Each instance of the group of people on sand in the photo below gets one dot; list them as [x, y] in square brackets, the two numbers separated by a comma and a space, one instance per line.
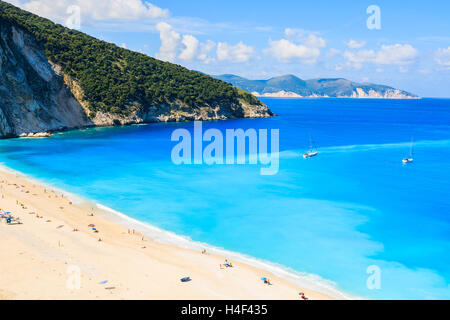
[266, 280]
[8, 218]
[95, 230]
[21, 204]
[227, 264]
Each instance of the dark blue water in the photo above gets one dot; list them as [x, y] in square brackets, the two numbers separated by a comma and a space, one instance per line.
[352, 207]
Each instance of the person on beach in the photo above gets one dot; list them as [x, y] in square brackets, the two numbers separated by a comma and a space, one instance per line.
[228, 264]
[302, 295]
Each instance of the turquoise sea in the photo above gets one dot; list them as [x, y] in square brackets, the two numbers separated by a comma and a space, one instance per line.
[353, 206]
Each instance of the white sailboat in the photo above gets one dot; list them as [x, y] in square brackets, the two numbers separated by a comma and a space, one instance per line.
[312, 150]
[410, 158]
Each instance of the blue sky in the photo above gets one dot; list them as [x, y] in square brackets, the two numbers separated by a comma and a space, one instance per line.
[261, 39]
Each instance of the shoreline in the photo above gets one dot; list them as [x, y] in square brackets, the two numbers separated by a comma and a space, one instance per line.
[309, 281]
[161, 240]
[353, 98]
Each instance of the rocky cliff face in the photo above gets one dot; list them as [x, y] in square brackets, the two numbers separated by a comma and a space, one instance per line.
[388, 94]
[36, 96]
[33, 98]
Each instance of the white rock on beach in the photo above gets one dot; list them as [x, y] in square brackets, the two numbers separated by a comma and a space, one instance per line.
[35, 135]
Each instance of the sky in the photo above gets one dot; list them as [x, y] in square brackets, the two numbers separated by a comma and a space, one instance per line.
[404, 44]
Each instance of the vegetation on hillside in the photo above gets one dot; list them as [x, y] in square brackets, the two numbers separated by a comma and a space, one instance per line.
[118, 80]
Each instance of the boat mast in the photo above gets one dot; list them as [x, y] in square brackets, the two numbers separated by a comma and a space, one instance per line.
[411, 151]
[311, 143]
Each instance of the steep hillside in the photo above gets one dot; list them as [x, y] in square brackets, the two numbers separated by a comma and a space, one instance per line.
[53, 77]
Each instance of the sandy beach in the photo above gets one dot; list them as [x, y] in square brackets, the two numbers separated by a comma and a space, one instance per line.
[54, 253]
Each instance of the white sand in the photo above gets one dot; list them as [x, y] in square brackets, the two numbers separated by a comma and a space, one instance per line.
[38, 260]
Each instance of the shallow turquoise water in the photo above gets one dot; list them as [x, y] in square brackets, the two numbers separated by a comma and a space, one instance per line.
[352, 207]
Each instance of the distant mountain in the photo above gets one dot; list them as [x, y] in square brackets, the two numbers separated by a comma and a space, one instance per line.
[292, 86]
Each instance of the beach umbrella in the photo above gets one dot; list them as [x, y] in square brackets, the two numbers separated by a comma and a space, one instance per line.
[264, 279]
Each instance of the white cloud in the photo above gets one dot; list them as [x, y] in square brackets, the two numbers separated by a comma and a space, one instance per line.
[353, 44]
[305, 37]
[191, 46]
[192, 49]
[333, 52]
[295, 34]
[298, 44]
[54, 10]
[122, 9]
[314, 41]
[234, 53]
[169, 42]
[96, 10]
[188, 48]
[357, 58]
[286, 51]
[396, 54]
[205, 48]
[442, 57]
[195, 50]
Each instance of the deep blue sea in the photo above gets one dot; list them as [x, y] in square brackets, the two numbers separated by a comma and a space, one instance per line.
[353, 206]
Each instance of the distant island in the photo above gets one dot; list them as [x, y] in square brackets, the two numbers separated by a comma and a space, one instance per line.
[55, 78]
[290, 86]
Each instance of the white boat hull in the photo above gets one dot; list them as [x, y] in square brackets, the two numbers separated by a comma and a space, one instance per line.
[310, 155]
[409, 160]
